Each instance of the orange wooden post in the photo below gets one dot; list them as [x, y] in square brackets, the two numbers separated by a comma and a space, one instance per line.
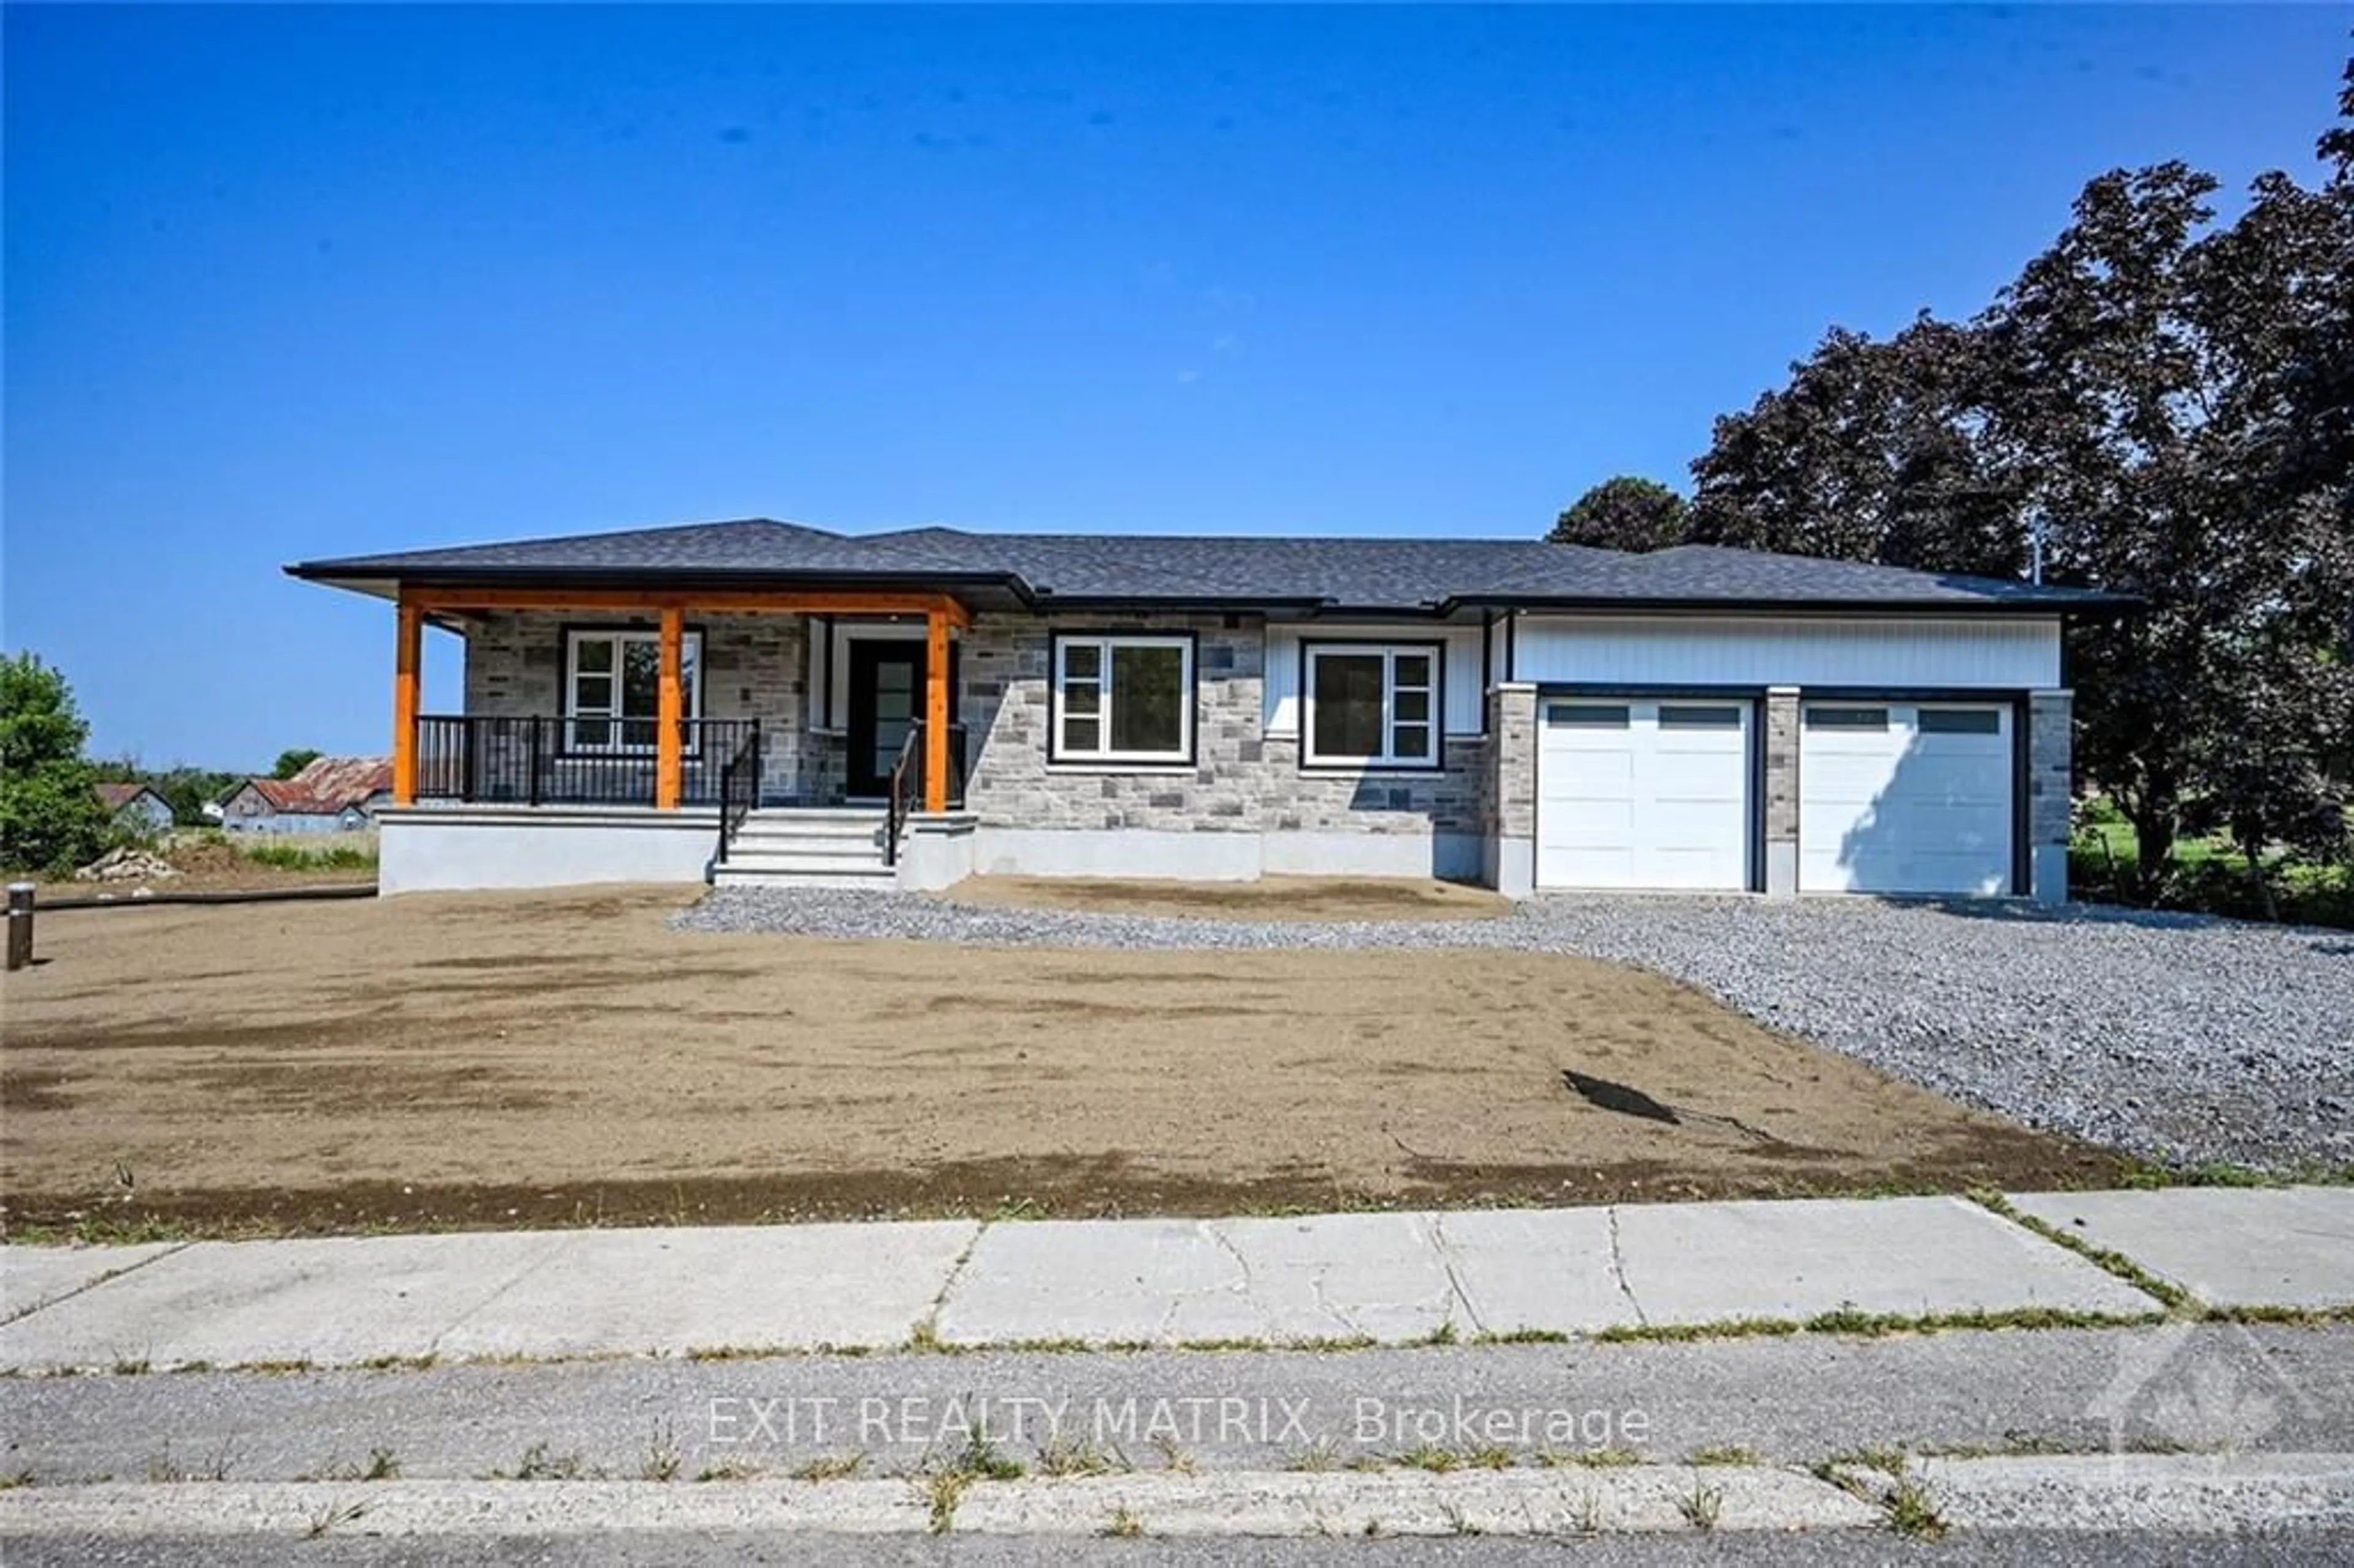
[936, 710]
[670, 710]
[408, 652]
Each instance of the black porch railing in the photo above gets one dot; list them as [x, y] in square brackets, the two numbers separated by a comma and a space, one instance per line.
[739, 789]
[907, 793]
[547, 761]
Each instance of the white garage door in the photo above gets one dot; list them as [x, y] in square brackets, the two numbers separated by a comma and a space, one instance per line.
[1643, 792]
[1904, 798]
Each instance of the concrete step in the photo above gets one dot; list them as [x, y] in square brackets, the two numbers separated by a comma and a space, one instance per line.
[755, 833]
[841, 848]
[807, 847]
[734, 874]
[816, 814]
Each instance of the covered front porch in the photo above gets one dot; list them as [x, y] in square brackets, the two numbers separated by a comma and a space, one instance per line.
[681, 701]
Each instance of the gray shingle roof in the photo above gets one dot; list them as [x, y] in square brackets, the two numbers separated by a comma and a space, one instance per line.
[1369, 573]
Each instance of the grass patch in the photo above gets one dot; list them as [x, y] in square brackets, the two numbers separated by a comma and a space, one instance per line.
[662, 1460]
[1062, 1457]
[1913, 1512]
[538, 1464]
[1520, 1337]
[730, 1470]
[832, 1466]
[1854, 1323]
[1123, 1525]
[2115, 1262]
[1318, 1457]
[2294, 1317]
[1440, 1460]
[1587, 1458]
[1725, 1454]
[2209, 877]
[294, 857]
[943, 1489]
[332, 1518]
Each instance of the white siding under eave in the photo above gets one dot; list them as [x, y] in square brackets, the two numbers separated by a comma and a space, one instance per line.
[1886, 652]
[1465, 705]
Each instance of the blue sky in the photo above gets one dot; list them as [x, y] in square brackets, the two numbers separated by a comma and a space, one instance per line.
[294, 283]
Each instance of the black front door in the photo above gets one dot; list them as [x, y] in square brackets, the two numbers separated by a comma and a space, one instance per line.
[887, 699]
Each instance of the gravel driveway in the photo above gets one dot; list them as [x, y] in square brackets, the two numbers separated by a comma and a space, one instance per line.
[2179, 1038]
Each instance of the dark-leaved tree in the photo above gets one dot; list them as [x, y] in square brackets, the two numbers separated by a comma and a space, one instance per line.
[2172, 403]
[1628, 513]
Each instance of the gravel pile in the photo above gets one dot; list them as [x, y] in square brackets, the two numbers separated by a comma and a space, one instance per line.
[2180, 1039]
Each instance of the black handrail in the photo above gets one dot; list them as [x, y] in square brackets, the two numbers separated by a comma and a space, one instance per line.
[740, 788]
[907, 782]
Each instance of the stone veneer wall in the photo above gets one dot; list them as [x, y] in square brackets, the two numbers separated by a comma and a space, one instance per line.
[2051, 791]
[753, 666]
[1241, 780]
[1782, 790]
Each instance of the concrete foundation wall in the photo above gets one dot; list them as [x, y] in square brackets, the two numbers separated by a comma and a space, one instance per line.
[936, 853]
[1159, 854]
[425, 849]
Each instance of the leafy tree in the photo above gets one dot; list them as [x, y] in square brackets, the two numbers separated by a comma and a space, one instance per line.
[189, 789]
[2155, 372]
[1627, 513]
[1871, 453]
[292, 761]
[49, 818]
[2177, 399]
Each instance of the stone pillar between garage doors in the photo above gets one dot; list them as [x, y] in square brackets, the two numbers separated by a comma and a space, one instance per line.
[1782, 791]
[2050, 793]
[1512, 848]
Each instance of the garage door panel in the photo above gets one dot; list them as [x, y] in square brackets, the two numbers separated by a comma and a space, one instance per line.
[1594, 824]
[1922, 805]
[1659, 800]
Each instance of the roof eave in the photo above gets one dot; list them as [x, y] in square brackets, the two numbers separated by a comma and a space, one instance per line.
[358, 577]
[2091, 607]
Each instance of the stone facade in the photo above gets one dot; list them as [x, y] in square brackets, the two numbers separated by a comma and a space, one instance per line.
[2051, 791]
[1241, 778]
[1782, 790]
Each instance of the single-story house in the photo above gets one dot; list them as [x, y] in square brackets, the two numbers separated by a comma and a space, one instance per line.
[758, 700]
[136, 809]
[331, 794]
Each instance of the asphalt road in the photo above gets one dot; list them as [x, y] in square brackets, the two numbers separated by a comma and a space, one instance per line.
[1790, 1401]
[2026, 1548]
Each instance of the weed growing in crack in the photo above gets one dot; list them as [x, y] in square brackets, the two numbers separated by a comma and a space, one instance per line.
[1701, 1506]
[1912, 1511]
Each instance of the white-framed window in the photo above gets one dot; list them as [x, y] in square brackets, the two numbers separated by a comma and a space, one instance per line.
[612, 688]
[1122, 697]
[1370, 705]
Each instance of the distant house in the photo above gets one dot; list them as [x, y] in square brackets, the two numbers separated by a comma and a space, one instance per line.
[332, 794]
[135, 808]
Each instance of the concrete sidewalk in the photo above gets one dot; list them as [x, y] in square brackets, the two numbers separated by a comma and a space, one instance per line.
[1392, 1278]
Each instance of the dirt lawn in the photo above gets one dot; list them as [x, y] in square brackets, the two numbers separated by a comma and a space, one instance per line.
[550, 1058]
